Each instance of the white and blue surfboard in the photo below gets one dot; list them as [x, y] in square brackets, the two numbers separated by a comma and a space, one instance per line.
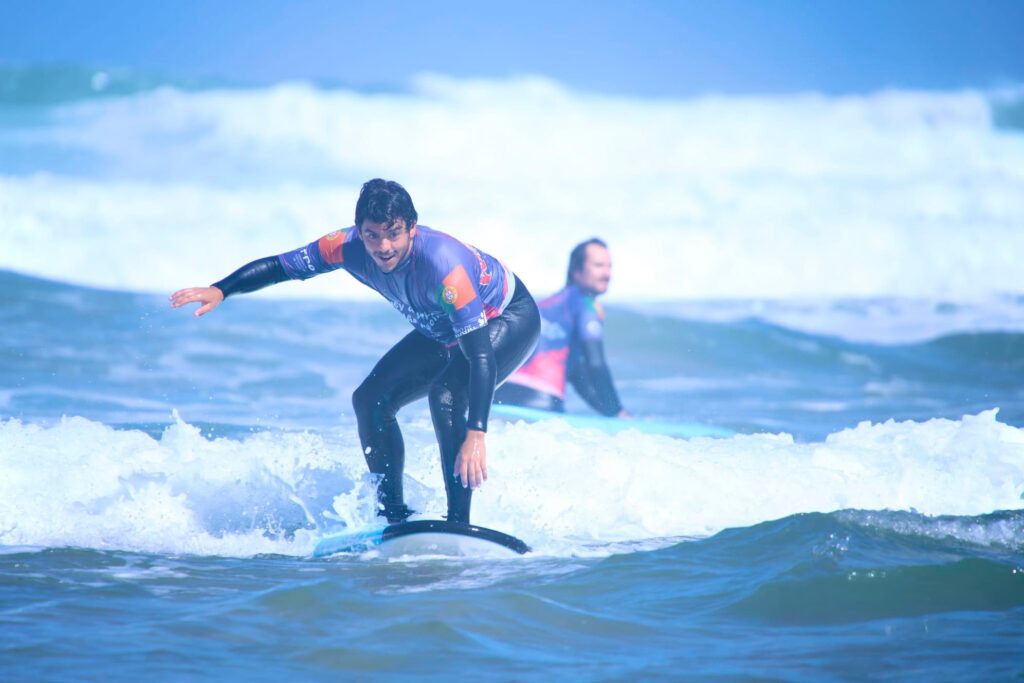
[612, 425]
[424, 537]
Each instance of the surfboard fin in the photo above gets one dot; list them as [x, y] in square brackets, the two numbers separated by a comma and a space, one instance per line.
[395, 514]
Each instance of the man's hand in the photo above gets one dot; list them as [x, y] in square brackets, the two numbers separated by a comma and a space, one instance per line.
[471, 463]
[209, 297]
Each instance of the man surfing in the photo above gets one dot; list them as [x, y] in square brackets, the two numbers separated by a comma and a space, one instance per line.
[474, 323]
[571, 342]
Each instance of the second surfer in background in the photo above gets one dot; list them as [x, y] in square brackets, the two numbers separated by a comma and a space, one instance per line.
[571, 345]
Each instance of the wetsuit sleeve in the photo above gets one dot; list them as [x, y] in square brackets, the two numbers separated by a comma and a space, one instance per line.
[252, 276]
[330, 252]
[483, 375]
[592, 379]
[588, 371]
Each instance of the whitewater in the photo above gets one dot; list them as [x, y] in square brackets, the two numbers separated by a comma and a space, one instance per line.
[271, 493]
[891, 194]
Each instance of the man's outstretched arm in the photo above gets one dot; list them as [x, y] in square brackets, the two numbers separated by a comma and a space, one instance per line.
[250, 277]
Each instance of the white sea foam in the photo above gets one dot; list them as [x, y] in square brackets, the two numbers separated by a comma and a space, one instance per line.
[893, 194]
[565, 491]
[996, 531]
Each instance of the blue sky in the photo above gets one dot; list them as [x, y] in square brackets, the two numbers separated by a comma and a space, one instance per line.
[636, 47]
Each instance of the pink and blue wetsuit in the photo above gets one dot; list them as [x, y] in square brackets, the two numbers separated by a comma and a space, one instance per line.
[571, 347]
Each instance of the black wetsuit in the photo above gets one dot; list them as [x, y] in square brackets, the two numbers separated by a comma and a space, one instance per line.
[475, 324]
[417, 367]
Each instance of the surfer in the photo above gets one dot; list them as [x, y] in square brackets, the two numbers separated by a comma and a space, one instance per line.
[474, 323]
[571, 343]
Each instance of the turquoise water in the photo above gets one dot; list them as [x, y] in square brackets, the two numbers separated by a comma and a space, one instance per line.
[834, 279]
[813, 596]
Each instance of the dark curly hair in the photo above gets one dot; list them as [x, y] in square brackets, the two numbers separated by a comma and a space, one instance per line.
[384, 201]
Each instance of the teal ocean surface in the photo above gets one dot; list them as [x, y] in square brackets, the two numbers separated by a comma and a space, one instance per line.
[849, 304]
[164, 480]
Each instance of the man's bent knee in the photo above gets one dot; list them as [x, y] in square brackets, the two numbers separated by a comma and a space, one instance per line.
[370, 403]
[441, 397]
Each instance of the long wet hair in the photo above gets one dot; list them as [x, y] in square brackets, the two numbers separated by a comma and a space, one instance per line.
[384, 201]
[578, 257]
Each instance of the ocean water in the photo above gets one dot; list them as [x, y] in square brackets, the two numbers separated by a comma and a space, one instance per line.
[835, 278]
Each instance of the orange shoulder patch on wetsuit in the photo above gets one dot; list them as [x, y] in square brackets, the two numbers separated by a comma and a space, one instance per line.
[332, 245]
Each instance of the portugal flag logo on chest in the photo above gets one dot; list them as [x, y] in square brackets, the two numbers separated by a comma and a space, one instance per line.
[456, 290]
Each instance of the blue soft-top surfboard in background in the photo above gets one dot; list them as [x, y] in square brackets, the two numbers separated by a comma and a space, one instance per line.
[424, 537]
[612, 425]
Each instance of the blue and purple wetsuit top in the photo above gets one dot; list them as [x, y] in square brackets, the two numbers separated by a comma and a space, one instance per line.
[571, 347]
[445, 288]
